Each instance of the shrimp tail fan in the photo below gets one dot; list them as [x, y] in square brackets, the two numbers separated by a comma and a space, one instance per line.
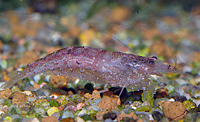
[15, 77]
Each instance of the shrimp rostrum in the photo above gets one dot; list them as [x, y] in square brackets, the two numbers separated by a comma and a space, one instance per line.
[96, 65]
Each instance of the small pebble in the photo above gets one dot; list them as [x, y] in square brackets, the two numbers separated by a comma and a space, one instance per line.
[8, 119]
[67, 114]
[143, 108]
[52, 110]
[1, 112]
[15, 116]
[108, 104]
[109, 120]
[15, 88]
[2, 101]
[67, 120]
[43, 92]
[28, 87]
[192, 117]
[79, 119]
[28, 93]
[56, 115]
[32, 98]
[5, 108]
[40, 110]
[157, 115]
[95, 102]
[82, 112]
[174, 110]
[3, 64]
[49, 119]
[30, 120]
[19, 98]
[180, 98]
[110, 115]
[189, 105]
[131, 115]
[45, 104]
[54, 102]
[8, 102]
[6, 93]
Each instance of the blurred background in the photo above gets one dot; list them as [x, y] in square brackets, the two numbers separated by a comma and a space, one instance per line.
[30, 29]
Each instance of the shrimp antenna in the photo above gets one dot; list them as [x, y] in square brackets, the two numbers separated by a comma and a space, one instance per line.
[175, 61]
[119, 41]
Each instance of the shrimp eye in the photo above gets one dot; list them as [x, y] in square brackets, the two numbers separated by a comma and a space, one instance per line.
[154, 57]
[151, 62]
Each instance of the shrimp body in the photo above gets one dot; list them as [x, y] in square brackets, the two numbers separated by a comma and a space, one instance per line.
[96, 65]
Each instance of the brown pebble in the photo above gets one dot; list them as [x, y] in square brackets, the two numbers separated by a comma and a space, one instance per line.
[161, 93]
[174, 110]
[67, 120]
[108, 93]
[50, 119]
[58, 81]
[108, 104]
[19, 98]
[36, 86]
[87, 95]
[95, 95]
[70, 93]
[140, 120]
[82, 93]
[6, 93]
[131, 115]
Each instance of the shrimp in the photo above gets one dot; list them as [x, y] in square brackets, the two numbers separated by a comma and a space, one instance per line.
[96, 65]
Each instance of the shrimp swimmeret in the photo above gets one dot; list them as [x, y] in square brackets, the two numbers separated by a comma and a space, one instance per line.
[96, 65]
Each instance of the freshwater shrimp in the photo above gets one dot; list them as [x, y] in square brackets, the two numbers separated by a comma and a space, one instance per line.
[96, 65]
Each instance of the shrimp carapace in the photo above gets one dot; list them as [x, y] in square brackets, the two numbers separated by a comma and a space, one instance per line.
[96, 65]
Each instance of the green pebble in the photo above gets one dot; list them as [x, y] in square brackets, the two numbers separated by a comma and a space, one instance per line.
[62, 99]
[45, 104]
[8, 119]
[170, 88]
[8, 102]
[17, 120]
[88, 117]
[54, 103]
[15, 110]
[143, 108]
[189, 104]
[148, 97]
[33, 115]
